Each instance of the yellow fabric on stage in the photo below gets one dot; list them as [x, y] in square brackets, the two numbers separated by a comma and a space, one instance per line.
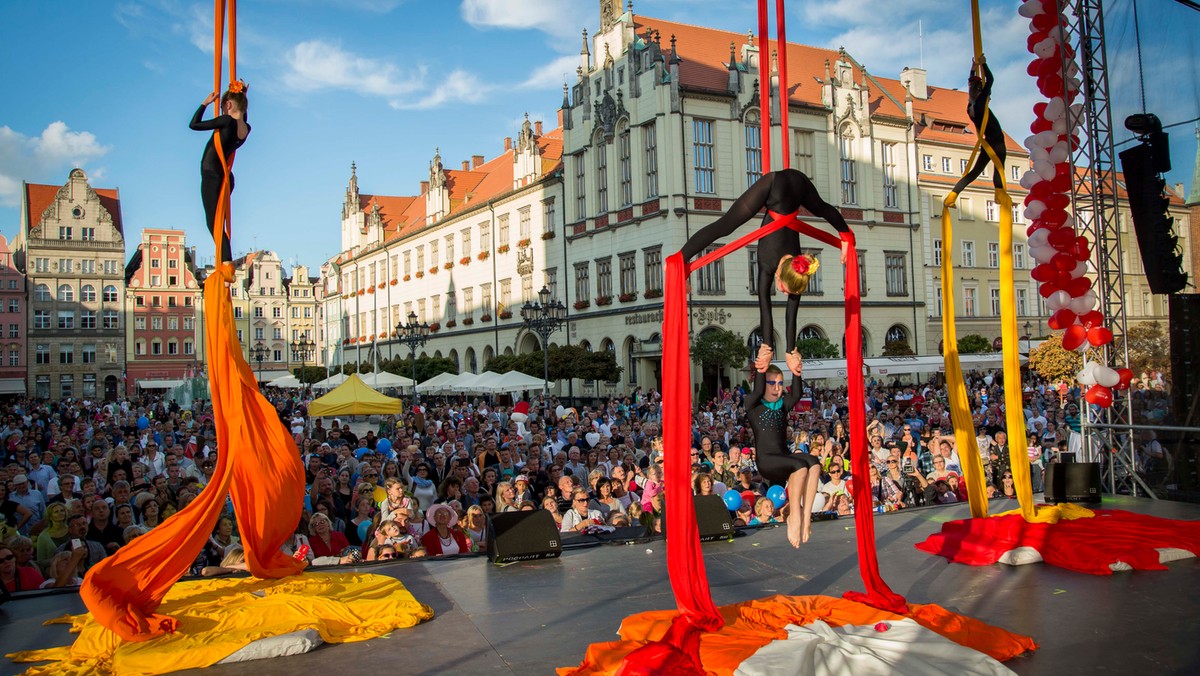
[1066, 511]
[218, 617]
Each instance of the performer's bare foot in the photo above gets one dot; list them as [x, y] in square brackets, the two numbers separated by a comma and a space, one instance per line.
[795, 532]
[807, 530]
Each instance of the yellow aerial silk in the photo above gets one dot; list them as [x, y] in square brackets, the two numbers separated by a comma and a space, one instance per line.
[960, 409]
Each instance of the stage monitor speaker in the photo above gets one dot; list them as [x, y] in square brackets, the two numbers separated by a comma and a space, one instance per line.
[1185, 358]
[1073, 482]
[523, 536]
[712, 518]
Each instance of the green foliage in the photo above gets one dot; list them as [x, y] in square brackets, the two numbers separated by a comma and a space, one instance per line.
[817, 348]
[702, 396]
[897, 348]
[974, 344]
[720, 348]
[310, 374]
[1149, 348]
[1050, 361]
[567, 361]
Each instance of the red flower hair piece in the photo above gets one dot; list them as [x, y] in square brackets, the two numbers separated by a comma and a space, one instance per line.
[800, 265]
[237, 86]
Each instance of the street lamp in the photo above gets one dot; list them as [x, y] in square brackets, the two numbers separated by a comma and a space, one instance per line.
[413, 335]
[259, 354]
[1028, 338]
[544, 318]
[303, 349]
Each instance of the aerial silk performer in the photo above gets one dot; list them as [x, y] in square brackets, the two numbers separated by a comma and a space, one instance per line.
[257, 461]
[258, 465]
[676, 642]
[1033, 532]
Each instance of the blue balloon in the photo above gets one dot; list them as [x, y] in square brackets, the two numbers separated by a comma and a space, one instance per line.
[383, 445]
[733, 500]
[778, 495]
[143, 422]
[362, 530]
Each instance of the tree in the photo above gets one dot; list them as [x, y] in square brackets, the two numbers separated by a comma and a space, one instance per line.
[565, 362]
[310, 374]
[817, 348]
[1149, 348]
[897, 348]
[720, 348]
[974, 344]
[1050, 361]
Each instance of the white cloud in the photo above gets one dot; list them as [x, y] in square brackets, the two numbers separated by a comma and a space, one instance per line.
[39, 158]
[553, 74]
[315, 65]
[556, 17]
[459, 85]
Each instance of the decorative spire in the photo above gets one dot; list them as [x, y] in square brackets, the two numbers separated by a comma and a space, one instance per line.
[674, 51]
[566, 97]
[732, 56]
[585, 49]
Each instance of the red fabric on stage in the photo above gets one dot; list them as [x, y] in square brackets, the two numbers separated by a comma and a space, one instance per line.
[1082, 545]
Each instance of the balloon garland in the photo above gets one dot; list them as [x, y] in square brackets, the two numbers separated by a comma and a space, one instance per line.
[1061, 253]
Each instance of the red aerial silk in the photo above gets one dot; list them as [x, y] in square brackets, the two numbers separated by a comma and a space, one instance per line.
[257, 463]
[1082, 545]
[685, 562]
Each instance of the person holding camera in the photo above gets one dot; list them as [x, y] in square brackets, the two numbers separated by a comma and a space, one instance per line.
[84, 553]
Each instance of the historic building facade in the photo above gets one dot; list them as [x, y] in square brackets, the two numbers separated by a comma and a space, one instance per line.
[163, 300]
[13, 301]
[71, 248]
[463, 255]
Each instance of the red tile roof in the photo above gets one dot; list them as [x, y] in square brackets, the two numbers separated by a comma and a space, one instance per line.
[38, 197]
[405, 216]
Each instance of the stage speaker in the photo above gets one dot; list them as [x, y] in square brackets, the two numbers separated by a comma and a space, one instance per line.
[712, 518]
[1185, 358]
[523, 536]
[1161, 258]
[1073, 482]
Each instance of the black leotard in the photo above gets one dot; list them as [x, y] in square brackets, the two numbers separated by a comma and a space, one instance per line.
[211, 173]
[992, 133]
[782, 192]
[775, 462]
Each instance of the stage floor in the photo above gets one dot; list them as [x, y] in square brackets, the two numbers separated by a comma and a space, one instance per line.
[529, 618]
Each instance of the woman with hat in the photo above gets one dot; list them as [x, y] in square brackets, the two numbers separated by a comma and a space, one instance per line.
[444, 537]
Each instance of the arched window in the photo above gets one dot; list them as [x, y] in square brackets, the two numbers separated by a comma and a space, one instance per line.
[810, 331]
[472, 364]
[41, 292]
[65, 293]
[87, 293]
[897, 333]
[631, 361]
[607, 345]
[110, 294]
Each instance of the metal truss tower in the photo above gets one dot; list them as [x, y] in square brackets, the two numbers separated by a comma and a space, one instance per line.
[1094, 204]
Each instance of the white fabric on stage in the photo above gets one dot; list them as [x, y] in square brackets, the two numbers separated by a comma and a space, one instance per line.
[905, 648]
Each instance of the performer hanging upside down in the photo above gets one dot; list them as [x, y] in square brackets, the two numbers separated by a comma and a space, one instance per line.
[782, 193]
[766, 410]
[233, 128]
[979, 94]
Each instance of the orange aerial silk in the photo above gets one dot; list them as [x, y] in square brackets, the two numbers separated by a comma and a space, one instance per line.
[257, 463]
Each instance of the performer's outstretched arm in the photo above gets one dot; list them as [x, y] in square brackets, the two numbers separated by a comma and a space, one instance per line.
[760, 386]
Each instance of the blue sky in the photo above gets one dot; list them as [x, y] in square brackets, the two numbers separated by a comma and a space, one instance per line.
[110, 86]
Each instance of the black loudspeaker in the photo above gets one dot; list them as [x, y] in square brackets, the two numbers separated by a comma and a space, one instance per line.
[1161, 258]
[523, 536]
[712, 518]
[1185, 358]
[1073, 482]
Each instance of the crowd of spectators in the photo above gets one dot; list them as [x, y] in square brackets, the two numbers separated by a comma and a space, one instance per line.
[80, 479]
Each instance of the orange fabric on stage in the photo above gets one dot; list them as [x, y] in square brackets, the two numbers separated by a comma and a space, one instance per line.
[752, 624]
[257, 462]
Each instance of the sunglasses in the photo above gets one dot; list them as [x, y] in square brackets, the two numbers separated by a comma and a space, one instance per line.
[581, 499]
[6, 559]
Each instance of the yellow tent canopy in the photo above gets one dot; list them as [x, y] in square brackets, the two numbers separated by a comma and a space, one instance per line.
[353, 397]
